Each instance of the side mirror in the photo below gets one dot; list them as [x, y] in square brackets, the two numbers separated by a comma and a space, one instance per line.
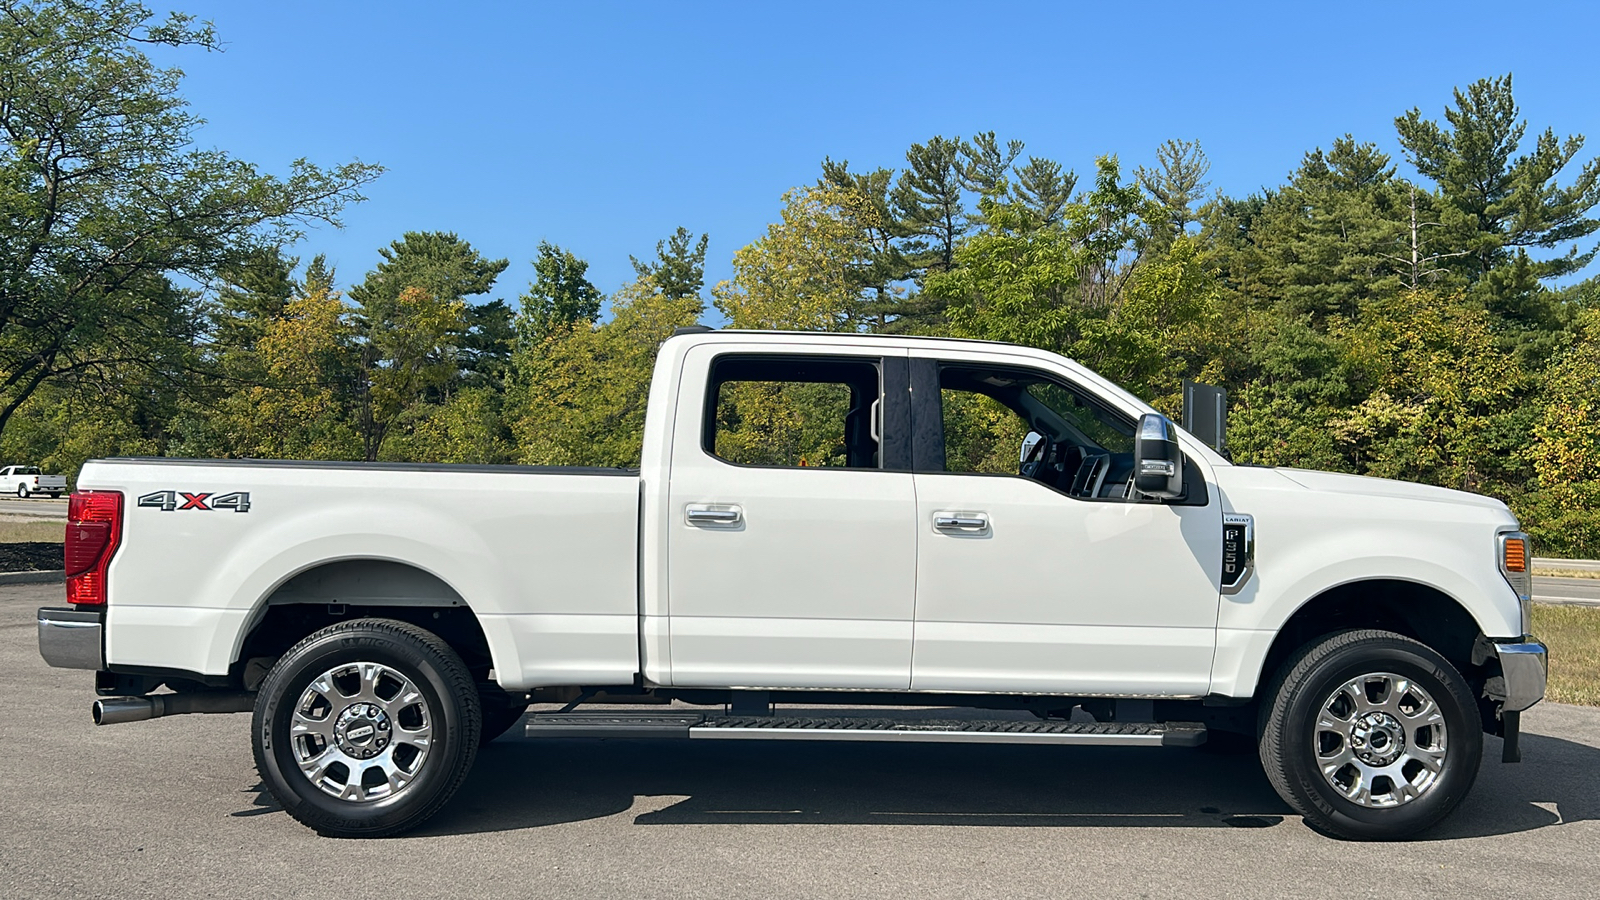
[1157, 461]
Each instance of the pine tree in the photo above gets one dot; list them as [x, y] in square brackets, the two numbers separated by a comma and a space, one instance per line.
[927, 199]
[1333, 236]
[438, 263]
[1498, 204]
[986, 168]
[1042, 191]
[864, 201]
[1177, 183]
[677, 271]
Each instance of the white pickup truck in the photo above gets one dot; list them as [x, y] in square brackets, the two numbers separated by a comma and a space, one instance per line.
[25, 481]
[812, 537]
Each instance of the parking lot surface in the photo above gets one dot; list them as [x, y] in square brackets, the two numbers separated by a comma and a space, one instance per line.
[173, 808]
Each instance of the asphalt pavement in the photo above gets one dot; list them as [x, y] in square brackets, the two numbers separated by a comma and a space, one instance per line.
[1572, 591]
[33, 508]
[173, 808]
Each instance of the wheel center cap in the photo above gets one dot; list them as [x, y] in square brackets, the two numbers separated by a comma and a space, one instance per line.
[362, 730]
[1378, 738]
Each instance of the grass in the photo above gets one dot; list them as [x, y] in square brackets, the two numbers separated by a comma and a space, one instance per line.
[14, 532]
[1573, 635]
[1566, 573]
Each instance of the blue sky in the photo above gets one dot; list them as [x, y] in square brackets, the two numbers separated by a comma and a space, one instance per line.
[602, 126]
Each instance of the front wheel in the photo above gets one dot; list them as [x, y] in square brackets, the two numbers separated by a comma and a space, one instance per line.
[1370, 735]
[366, 728]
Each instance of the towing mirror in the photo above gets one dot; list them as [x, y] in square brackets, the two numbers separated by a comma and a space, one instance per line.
[1157, 461]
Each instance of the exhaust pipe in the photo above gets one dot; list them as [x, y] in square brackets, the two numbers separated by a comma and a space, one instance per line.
[116, 710]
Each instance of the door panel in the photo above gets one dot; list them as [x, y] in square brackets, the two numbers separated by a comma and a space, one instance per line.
[812, 586]
[1061, 595]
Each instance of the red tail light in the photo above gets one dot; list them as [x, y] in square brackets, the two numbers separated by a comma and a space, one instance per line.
[94, 529]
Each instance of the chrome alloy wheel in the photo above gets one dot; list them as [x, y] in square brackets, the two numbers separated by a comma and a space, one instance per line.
[361, 731]
[1380, 740]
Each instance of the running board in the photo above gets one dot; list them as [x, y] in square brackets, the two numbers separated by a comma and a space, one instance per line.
[704, 726]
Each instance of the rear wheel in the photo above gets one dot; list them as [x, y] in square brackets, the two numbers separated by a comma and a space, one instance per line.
[22, 491]
[366, 728]
[1370, 735]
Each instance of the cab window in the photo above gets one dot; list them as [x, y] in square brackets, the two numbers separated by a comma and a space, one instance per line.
[794, 412]
[1004, 421]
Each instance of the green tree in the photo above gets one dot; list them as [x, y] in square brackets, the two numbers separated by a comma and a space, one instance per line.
[928, 202]
[106, 196]
[445, 269]
[1498, 204]
[301, 406]
[560, 296]
[1335, 236]
[802, 273]
[438, 262]
[1563, 511]
[579, 394]
[408, 357]
[986, 168]
[863, 200]
[1177, 182]
[678, 271]
[1439, 383]
[1042, 191]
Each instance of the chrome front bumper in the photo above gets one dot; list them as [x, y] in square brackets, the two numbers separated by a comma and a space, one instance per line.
[70, 638]
[1525, 666]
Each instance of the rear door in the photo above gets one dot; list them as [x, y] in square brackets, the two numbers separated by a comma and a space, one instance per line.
[1055, 583]
[791, 548]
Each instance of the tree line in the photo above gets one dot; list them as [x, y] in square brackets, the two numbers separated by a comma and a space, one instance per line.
[1362, 321]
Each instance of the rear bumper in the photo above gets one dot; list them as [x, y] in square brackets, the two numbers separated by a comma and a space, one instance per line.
[1525, 665]
[71, 638]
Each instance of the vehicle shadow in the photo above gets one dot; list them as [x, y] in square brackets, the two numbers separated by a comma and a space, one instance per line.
[521, 784]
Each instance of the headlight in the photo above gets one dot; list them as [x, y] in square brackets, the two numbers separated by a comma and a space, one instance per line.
[1516, 564]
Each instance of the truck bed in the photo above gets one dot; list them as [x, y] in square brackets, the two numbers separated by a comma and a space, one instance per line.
[549, 562]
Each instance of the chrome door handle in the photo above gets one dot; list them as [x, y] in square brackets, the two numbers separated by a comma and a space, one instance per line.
[714, 515]
[950, 521]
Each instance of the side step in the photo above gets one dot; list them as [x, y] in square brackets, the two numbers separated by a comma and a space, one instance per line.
[715, 726]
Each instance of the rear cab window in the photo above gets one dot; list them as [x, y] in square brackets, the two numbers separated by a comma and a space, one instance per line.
[795, 412]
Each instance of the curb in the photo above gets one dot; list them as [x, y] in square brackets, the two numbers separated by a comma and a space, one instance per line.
[55, 576]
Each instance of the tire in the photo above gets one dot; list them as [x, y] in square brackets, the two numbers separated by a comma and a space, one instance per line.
[1396, 714]
[366, 728]
[501, 710]
[22, 492]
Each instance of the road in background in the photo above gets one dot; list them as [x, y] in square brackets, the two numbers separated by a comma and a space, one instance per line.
[33, 508]
[1567, 591]
[173, 808]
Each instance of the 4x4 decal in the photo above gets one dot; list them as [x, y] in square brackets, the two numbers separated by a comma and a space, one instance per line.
[167, 501]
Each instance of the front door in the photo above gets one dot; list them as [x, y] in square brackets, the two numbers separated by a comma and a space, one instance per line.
[1053, 581]
[792, 545]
